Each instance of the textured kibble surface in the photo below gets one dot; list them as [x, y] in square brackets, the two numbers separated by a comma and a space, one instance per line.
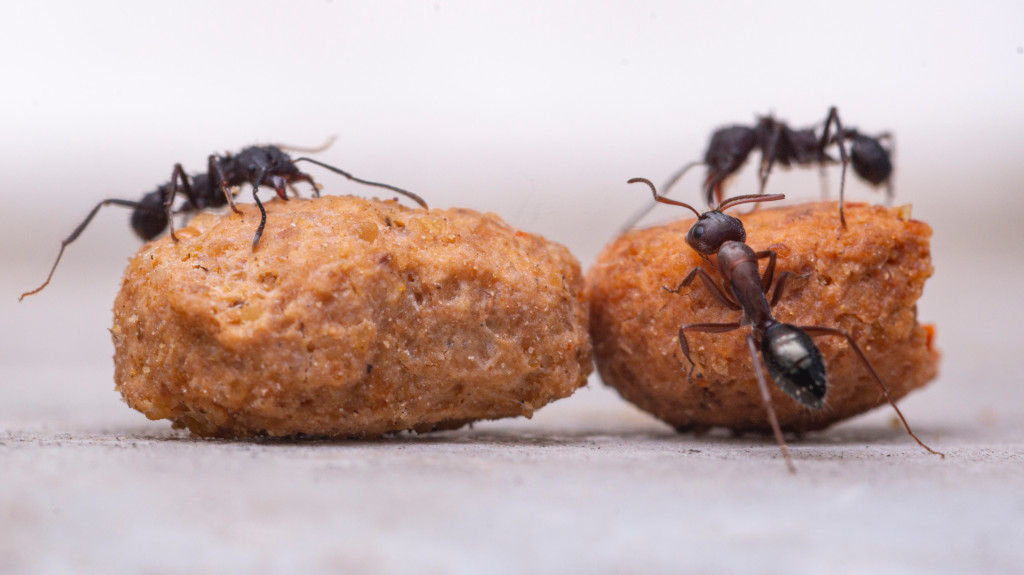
[865, 280]
[352, 318]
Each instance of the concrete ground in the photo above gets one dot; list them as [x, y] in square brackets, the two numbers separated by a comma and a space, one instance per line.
[88, 485]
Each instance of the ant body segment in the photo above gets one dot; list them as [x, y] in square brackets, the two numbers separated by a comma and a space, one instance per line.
[259, 165]
[730, 147]
[793, 361]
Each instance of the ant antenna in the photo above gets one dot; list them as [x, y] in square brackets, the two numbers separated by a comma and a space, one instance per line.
[726, 204]
[327, 144]
[644, 211]
[662, 199]
[338, 171]
[737, 200]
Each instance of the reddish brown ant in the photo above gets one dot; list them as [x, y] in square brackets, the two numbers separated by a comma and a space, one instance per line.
[730, 147]
[793, 360]
[258, 165]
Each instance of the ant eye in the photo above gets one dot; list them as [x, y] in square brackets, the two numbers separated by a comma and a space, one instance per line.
[697, 231]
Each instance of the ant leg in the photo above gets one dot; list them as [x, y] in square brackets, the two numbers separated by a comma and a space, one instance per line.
[309, 178]
[833, 117]
[769, 272]
[338, 171]
[823, 177]
[713, 187]
[768, 157]
[217, 174]
[711, 285]
[643, 212]
[766, 398]
[169, 200]
[819, 330]
[767, 163]
[263, 212]
[179, 175]
[891, 150]
[78, 231]
[780, 286]
[176, 174]
[705, 328]
[766, 279]
[822, 157]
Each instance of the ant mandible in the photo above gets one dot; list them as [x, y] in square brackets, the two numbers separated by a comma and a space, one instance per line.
[259, 165]
[730, 147]
[793, 360]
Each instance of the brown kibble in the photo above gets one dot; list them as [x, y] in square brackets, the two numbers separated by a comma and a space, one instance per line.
[352, 318]
[865, 279]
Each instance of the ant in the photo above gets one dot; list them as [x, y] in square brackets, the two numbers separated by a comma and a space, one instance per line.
[263, 165]
[729, 148]
[793, 360]
[260, 165]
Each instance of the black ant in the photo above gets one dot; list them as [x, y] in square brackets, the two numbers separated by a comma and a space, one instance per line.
[259, 165]
[730, 146]
[263, 165]
[793, 360]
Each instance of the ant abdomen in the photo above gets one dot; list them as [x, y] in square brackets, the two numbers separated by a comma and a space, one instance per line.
[149, 218]
[870, 160]
[795, 364]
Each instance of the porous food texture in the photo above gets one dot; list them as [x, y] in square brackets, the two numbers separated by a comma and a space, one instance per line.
[352, 318]
[865, 279]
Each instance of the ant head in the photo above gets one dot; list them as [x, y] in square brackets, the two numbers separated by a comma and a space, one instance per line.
[149, 219]
[279, 159]
[713, 228]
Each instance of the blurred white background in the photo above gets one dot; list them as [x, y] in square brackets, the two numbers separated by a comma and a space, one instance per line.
[540, 112]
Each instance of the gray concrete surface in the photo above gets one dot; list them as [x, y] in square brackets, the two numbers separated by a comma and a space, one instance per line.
[590, 484]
